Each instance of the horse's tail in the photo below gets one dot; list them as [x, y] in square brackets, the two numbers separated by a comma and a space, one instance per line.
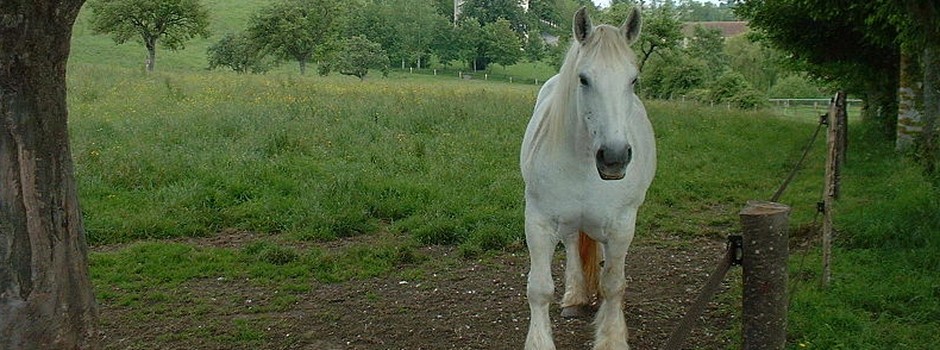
[590, 263]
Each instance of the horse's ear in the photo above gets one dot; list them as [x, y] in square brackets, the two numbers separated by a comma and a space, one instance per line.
[582, 24]
[631, 26]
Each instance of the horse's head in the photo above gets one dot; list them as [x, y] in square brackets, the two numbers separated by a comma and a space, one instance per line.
[606, 75]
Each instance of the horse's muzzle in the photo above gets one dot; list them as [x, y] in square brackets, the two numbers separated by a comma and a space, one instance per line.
[612, 162]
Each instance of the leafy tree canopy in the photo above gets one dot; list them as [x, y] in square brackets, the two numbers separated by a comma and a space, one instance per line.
[847, 46]
[489, 11]
[406, 29]
[238, 52]
[357, 56]
[500, 44]
[299, 30]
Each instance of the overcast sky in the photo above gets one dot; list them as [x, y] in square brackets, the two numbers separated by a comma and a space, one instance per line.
[607, 2]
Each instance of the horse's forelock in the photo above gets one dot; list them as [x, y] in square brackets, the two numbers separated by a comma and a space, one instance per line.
[609, 44]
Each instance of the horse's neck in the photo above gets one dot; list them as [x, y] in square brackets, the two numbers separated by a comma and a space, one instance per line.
[557, 135]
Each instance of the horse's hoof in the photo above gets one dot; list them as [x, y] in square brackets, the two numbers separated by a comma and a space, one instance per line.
[576, 311]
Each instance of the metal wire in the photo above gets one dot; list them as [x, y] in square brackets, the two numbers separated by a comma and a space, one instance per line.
[799, 164]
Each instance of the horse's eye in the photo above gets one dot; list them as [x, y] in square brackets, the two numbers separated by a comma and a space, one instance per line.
[584, 80]
[633, 82]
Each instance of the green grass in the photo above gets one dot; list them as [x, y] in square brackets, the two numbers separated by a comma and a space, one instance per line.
[885, 292]
[174, 155]
[189, 155]
[433, 160]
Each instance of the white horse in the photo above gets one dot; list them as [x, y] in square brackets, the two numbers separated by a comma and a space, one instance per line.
[587, 158]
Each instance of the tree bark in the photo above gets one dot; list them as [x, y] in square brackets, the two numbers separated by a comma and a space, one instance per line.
[909, 102]
[46, 298]
[930, 151]
[151, 55]
[880, 105]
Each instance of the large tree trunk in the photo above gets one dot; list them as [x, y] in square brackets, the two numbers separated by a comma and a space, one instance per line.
[46, 299]
[880, 106]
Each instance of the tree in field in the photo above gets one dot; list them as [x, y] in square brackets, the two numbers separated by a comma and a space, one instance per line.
[406, 29]
[46, 298]
[673, 75]
[299, 30]
[534, 47]
[168, 22]
[357, 56]
[761, 65]
[488, 11]
[459, 43]
[238, 52]
[662, 31]
[499, 45]
[708, 45]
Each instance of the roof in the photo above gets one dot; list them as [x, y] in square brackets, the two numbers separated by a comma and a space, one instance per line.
[728, 29]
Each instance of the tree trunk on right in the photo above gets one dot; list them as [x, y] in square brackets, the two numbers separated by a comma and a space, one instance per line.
[910, 102]
[930, 150]
[880, 106]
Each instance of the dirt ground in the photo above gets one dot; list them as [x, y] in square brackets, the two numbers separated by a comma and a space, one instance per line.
[458, 304]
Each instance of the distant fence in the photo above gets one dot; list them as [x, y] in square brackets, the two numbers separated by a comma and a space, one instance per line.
[466, 74]
[816, 106]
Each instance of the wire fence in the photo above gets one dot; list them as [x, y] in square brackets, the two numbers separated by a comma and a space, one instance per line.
[762, 249]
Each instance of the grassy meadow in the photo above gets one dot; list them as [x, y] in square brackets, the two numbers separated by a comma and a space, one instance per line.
[295, 161]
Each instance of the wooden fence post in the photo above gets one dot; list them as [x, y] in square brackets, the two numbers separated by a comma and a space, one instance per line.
[835, 147]
[764, 261]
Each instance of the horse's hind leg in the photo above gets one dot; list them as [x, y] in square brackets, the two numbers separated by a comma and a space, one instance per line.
[541, 243]
[576, 302]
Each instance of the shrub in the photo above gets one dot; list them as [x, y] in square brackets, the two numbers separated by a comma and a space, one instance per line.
[731, 88]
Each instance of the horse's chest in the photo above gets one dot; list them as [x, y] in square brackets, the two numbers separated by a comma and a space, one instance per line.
[567, 196]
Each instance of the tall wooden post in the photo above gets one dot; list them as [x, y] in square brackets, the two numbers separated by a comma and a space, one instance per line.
[764, 261]
[831, 184]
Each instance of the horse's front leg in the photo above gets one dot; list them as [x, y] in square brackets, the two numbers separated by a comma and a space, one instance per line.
[541, 241]
[610, 323]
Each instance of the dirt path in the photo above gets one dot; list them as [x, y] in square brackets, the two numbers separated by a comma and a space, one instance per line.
[457, 304]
